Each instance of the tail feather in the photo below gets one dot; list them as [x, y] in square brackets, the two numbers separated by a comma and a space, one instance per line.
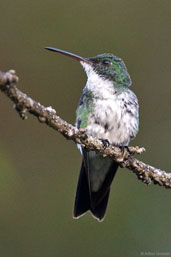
[100, 210]
[96, 202]
[82, 199]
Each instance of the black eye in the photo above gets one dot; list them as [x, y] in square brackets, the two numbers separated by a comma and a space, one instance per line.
[106, 62]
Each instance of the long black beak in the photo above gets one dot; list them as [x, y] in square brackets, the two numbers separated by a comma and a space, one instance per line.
[74, 56]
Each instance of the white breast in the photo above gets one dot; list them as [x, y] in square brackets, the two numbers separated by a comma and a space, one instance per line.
[108, 121]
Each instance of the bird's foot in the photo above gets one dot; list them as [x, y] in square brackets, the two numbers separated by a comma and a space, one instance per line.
[123, 147]
[105, 142]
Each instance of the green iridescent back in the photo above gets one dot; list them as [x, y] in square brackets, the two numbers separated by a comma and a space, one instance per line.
[85, 107]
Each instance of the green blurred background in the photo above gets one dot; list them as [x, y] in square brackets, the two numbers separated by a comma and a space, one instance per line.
[39, 168]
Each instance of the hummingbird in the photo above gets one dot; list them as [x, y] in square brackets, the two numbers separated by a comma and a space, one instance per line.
[109, 111]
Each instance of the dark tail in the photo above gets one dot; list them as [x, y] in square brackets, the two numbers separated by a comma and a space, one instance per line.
[96, 202]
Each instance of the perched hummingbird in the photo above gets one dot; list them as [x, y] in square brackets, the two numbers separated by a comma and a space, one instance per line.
[108, 110]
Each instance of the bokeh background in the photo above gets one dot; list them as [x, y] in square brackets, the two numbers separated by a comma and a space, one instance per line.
[39, 168]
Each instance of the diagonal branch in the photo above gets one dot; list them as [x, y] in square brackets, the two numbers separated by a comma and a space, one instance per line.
[24, 105]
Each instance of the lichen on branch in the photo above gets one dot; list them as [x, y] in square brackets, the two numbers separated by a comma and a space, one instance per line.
[47, 115]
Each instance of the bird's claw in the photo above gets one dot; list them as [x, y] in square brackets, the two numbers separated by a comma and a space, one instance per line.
[105, 142]
[123, 147]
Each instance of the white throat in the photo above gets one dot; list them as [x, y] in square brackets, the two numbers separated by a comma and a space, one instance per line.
[100, 87]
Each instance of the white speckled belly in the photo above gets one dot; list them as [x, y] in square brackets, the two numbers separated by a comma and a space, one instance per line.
[110, 120]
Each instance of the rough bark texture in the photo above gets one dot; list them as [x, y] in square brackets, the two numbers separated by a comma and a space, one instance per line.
[24, 105]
